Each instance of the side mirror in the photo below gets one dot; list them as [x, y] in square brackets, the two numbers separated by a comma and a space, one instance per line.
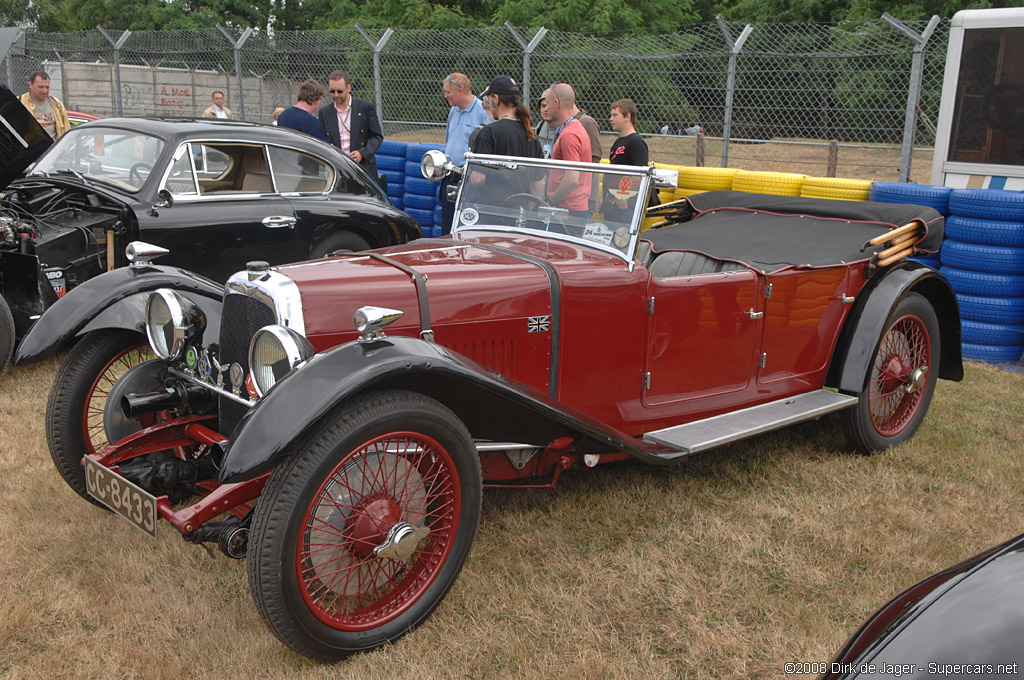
[166, 199]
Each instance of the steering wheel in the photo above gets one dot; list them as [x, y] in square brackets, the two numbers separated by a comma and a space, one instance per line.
[135, 172]
[525, 200]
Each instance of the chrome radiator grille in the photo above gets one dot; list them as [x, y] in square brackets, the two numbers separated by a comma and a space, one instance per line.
[242, 317]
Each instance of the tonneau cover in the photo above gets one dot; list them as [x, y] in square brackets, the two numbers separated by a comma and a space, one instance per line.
[773, 232]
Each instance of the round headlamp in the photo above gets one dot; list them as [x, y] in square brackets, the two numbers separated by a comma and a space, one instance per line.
[172, 320]
[435, 165]
[273, 353]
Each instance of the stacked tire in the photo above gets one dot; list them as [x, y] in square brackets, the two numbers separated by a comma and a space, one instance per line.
[778, 183]
[928, 195]
[836, 188]
[421, 195]
[391, 163]
[983, 259]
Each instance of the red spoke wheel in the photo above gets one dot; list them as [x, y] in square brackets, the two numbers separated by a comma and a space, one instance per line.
[74, 410]
[900, 380]
[360, 534]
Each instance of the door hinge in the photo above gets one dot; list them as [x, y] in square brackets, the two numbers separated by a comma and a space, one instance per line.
[650, 305]
[647, 380]
[768, 292]
[764, 359]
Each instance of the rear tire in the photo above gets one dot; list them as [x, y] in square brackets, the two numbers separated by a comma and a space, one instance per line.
[74, 410]
[339, 240]
[6, 334]
[389, 462]
[896, 398]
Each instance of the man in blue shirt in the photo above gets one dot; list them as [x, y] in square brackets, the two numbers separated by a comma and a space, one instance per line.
[465, 115]
[302, 116]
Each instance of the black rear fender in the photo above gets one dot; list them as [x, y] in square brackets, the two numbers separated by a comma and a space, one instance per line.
[115, 299]
[870, 316]
[490, 405]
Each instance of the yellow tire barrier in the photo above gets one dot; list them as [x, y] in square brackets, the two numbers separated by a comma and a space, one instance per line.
[706, 179]
[836, 188]
[778, 183]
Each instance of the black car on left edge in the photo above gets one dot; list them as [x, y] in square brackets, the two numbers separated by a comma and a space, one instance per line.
[216, 194]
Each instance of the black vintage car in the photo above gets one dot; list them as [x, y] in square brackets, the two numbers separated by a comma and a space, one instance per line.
[216, 194]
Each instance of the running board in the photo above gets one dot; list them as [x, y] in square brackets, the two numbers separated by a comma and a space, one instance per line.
[702, 435]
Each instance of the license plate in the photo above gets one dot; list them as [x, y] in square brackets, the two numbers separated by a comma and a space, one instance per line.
[126, 499]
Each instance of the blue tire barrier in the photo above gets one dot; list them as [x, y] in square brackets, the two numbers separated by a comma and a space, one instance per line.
[392, 148]
[988, 204]
[991, 309]
[421, 186]
[436, 231]
[980, 258]
[398, 202]
[984, 283]
[414, 152]
[985, 232]
[918, 194]
[932, 261]
[421, 202]
[981, 333]
[389, 162]
[425, 218]
[394, 177]
[438, 213]
[991, 354]
[395, 191]
[412, 169]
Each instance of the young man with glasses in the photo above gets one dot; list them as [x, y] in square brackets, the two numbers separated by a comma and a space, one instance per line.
[351, 124]
[465, 115]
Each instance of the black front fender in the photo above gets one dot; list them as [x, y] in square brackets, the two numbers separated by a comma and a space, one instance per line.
[490, 405]
[115, 299]
[858, 341]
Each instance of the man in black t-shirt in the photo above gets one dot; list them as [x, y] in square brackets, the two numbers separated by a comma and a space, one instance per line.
[629, 149]
[509, 135]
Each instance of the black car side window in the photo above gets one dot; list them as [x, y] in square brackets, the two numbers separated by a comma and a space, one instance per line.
[299, 172]
[180, 180]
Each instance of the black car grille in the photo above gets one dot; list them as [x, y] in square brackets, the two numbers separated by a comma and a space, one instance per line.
[241, 318]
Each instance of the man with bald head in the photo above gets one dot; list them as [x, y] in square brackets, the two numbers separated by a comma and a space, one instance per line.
[569, 189]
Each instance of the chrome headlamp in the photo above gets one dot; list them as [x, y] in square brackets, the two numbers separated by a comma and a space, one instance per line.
[273, 353]
[172, 320]
[435, 165]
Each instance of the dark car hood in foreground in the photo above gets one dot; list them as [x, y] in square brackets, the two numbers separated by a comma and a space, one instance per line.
[971, 615]
[22, 139]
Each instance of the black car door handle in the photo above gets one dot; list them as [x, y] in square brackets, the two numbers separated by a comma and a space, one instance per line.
[275, 221]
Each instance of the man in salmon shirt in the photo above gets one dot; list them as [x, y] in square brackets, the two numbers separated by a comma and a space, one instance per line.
[569, 189]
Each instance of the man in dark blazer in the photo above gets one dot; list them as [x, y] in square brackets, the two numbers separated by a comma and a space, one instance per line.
[351, 123]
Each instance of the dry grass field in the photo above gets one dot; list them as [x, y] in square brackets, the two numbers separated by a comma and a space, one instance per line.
[727, 566]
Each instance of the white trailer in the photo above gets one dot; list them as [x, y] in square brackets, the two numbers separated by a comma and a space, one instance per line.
[980, 134]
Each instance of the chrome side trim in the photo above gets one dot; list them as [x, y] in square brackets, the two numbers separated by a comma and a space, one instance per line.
[276, 291]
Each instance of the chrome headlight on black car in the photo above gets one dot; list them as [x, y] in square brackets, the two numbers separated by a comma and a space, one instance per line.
[274, 351]
[172, 320]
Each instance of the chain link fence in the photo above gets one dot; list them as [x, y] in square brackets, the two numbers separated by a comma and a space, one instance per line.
[854, 100]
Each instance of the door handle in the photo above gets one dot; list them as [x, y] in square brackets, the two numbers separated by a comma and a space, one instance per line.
[276, 221]
[756, 315]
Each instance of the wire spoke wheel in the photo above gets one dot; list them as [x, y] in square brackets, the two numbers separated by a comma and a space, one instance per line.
[96, 397]
[900, 380]
[894, 393]
[360, 533]
[396, 480]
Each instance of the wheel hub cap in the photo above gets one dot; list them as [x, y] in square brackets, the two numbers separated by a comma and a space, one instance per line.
[894, 374]
[917, 380]
[401, 541]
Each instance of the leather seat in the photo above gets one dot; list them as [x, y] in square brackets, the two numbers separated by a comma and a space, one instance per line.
[688, 263]
[256, 178]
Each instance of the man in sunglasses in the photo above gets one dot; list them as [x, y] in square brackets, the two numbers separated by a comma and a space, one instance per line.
[466, 114]
[351, 124]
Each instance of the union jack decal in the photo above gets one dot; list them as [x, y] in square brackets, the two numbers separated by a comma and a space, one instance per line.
[538, 324]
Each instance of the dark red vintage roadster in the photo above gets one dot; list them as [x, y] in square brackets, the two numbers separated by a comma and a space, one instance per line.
[346, 463]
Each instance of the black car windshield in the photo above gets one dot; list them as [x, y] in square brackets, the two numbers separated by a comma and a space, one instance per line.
[600, 204]
[119, 157]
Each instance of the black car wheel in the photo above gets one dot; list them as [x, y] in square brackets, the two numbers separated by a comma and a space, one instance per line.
[6, 334]
[344, 241]
[900, 381]
[74, 411]
[360, 534]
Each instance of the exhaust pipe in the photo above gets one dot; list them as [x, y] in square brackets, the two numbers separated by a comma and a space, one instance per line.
[176, 396]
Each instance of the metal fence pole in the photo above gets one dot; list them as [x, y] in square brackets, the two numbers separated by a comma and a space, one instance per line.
[117, 63]
[237, 47]
[377, 47]
[528, 49]
[914, 89]
[730, 87]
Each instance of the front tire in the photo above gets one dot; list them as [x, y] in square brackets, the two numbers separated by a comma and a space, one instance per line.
[343, 241]
[74, 410]
[900, 380]
[6, 334]
[361, 533]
